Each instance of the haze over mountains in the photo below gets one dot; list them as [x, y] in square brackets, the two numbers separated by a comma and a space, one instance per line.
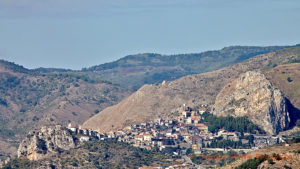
[149, 68]
[32, 98]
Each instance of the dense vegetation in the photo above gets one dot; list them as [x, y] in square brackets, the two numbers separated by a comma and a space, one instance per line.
[149, 68]
[253, 163]
[214, 158]
[99, 154]
[229, 123]
[228, 144]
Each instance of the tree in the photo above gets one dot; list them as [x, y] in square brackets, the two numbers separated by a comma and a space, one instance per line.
[289, 79]
[41, 144]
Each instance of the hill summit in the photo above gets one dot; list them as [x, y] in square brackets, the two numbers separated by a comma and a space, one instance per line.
[150, 68]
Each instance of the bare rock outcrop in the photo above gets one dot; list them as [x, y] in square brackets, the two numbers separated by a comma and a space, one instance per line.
[45, 142]
[252, 95]
[152, 101]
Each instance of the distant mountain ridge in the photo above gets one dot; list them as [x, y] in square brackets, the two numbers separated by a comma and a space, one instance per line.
[9, 66]
[160, 100]
[52, 70]
[31, 98]
[149, 68]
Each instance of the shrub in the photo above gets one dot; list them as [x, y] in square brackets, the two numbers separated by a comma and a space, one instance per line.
[3, 102]
[35, 118]
[270, 161]
[41, 144]
[276, 156]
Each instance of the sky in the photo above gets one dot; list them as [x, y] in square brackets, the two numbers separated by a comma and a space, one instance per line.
[82, 33]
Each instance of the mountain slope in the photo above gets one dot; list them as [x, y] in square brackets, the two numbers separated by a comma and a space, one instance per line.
[290, 158]
[253, 96]
[29, 99]
[99, 154]
[287, 78]
[152, 101]
[136, 70]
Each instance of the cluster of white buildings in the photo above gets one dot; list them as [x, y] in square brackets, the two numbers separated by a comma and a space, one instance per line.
[170, 135]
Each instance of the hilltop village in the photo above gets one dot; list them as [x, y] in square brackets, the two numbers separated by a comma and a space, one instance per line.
[183, 133]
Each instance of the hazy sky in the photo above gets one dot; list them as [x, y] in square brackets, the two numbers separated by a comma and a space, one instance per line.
[81, 33]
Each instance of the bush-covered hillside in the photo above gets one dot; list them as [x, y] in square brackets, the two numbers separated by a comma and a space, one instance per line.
[29, 99]
[149, 68]
[229, 123]
[99, 154]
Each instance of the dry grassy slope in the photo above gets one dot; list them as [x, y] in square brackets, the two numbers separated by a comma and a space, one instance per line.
[291, 159]
[279, 77]
[29, 100]
[152, 101]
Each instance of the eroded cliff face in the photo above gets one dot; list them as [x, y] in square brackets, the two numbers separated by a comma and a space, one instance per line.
[153, 101]
[252, 95]
[47, 141]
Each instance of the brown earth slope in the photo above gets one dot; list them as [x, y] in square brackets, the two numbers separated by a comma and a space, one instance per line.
[289, 157]
[153, 101]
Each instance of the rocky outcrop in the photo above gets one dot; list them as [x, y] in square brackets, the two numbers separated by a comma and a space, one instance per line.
[152, 101]
[47, 141]
[252, 95]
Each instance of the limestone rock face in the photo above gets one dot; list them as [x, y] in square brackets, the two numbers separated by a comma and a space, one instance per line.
[252, 95]
[47, 141]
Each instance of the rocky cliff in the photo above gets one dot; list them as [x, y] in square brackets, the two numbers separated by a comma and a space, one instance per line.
[45, 142]
[252, 95]
[152, 101]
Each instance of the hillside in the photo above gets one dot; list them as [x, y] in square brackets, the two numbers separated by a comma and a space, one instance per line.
[287, 78]
[29, 99]
[58, 147]
[152, 101]
[52, 70]
[289, 157]
[98, 154]
[137, 70]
